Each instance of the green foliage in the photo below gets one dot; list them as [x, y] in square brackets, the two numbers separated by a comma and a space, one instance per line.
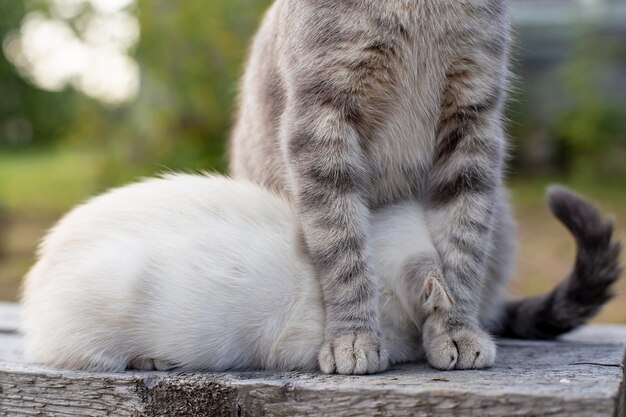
[28, 115]
[46, 181]
[191, 55]
[592, 131]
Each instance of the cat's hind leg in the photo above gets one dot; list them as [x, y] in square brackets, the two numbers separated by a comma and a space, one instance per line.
[445, 349]
[141, 363]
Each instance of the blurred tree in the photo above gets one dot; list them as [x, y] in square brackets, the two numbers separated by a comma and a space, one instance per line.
[568, 110]
[591, 132]
[28, 115]
[190, 55]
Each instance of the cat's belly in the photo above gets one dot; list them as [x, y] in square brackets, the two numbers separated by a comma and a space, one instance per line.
[398, 181]
[400, 157]
[401, 150]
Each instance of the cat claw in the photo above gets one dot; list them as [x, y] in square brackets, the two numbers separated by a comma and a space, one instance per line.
[354, 354]
[461, 348]
[477, 350]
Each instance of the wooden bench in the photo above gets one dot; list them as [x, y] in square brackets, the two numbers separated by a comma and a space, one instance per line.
[581, 375]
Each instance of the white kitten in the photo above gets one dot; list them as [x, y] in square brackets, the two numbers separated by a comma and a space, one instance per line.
[204, 273]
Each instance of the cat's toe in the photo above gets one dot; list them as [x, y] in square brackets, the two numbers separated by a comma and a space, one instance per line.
[160, 365]
[441, 352]
[354, 354]
[146, 364]
[458, 347]
[477, 350]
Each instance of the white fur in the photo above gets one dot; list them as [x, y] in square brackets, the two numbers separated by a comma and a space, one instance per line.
[199, 272]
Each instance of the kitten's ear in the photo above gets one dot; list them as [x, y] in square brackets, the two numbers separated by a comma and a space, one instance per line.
[435, 296]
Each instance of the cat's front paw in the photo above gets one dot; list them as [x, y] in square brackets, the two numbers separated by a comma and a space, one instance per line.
[354, 354]
[459, 348]
[477, 349]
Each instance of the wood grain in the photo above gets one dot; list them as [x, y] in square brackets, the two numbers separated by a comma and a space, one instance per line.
[581, 375]
[9, 317]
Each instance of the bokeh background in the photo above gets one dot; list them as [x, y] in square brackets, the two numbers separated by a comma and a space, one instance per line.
[94, 93]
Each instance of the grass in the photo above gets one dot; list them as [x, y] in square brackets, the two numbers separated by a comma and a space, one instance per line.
[45, 183]
[37, 187]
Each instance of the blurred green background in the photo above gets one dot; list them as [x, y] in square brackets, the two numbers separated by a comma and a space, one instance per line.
[94, 93]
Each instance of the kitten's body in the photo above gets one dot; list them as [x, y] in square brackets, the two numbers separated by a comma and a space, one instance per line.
[203, 272]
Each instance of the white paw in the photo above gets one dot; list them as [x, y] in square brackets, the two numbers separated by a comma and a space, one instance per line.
[354, 354]
[147, 364]
[441, 352]
[461, 348]
[477, 350]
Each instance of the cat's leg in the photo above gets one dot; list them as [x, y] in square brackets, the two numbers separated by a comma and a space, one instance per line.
[456, 348]
[339, 89]
[423, 275]
[501, 262]
[141, 363]
[432, 306]
[330, 180]
[464, 187]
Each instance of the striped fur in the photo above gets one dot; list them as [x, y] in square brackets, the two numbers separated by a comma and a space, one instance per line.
[581, 295]
[351, 105]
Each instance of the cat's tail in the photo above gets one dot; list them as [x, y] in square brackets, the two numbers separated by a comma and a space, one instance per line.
[588, 287]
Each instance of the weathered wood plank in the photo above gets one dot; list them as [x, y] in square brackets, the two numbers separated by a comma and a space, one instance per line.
[9, 317]
[579, 376]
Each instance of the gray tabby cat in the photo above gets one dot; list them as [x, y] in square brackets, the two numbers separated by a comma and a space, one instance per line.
[351, 105]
